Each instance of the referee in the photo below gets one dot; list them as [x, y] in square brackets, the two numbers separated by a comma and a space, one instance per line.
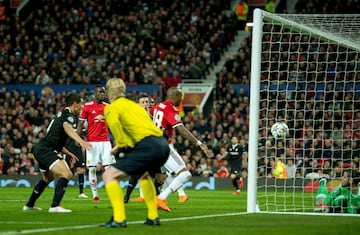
[146, 151]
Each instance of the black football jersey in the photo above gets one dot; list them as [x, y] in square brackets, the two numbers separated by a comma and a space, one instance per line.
[55, 133]
[235, 151]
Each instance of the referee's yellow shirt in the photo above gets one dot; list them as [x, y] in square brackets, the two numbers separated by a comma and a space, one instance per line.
[129, 123]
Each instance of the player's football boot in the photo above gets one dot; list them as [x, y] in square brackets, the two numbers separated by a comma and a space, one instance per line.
[113, 224]
[31, 208]
[183, 198]
[152, 222]
[237, 192]
[59, 209]
[83, 195]
[162, 204]
[138, 199]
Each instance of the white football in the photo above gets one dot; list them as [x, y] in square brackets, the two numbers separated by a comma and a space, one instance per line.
[279, 130]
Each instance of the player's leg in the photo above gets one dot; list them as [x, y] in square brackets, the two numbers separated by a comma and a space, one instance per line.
[160, 180]
[79, 166]
[38, 190]
[61, 169]
[111, 176]
[235, 177]
[45, 160]
[181, 193]
[176, 165]
[130, 188]
[183, 197]
[321, 195]
[149, 192]
[92, 159]
[81, 179]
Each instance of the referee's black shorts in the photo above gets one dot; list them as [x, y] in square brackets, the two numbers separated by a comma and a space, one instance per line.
[148, 155]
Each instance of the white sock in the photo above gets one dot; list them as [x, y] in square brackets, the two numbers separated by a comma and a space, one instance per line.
[93, 181]
[175, 184]
[181, 192]
[168, 181]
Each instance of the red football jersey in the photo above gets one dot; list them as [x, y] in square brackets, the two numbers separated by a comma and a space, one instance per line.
[94, 114]
[166, 117]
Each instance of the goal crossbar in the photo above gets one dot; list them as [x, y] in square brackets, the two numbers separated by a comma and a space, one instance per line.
[322, 26]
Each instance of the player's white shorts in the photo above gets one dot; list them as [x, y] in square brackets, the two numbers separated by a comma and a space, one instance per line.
[175, 163]
[99, 153]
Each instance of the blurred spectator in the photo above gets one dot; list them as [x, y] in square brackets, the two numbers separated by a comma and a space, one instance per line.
[290, 169]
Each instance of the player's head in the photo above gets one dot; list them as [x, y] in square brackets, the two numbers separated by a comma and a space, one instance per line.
[115, 88]
[74, 102]
[346, 178]
[175, 95]
[143, 100]
[99, 93]
[234, 140]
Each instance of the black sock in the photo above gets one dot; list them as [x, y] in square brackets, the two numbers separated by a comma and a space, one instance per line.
[130, 187]
[81, 182]
[38, 189]
[157, 186]
[235, 182]
[59, 191]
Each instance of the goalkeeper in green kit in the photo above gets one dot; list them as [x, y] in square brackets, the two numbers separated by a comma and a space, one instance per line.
[343, 199]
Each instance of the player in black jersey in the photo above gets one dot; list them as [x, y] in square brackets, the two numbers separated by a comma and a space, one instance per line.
[48, 154]
[235, 158]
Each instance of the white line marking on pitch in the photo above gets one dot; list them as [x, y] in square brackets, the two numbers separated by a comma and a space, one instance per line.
[44, 230]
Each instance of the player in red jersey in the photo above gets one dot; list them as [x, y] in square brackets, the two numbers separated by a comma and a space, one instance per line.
[97, 135]
[166, 117]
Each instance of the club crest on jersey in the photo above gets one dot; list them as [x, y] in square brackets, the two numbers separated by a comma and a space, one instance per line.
[71, 119]
[99, 117]
[177, 117]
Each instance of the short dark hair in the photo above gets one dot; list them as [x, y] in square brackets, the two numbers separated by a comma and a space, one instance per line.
[99, 86]
[72, 98]
[141, 95]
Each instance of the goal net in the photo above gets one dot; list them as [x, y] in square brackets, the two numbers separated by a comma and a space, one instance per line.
[304, 72]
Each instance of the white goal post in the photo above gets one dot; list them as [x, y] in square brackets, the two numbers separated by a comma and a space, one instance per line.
[305, 71]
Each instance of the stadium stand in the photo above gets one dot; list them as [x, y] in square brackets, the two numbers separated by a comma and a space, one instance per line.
[143, 42]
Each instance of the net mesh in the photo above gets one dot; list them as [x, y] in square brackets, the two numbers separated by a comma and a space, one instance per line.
[309, 79]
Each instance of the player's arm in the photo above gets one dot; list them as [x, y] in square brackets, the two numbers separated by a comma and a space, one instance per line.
[184, 132]
[80, 126]
[74, 135]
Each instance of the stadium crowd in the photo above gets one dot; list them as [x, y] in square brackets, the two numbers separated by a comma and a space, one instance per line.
[148, 42]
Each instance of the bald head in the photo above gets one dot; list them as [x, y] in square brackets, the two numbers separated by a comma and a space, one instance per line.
[115, 88]
[174, 95]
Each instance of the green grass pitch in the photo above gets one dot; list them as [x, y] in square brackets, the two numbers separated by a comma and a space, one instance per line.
[206, 212]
